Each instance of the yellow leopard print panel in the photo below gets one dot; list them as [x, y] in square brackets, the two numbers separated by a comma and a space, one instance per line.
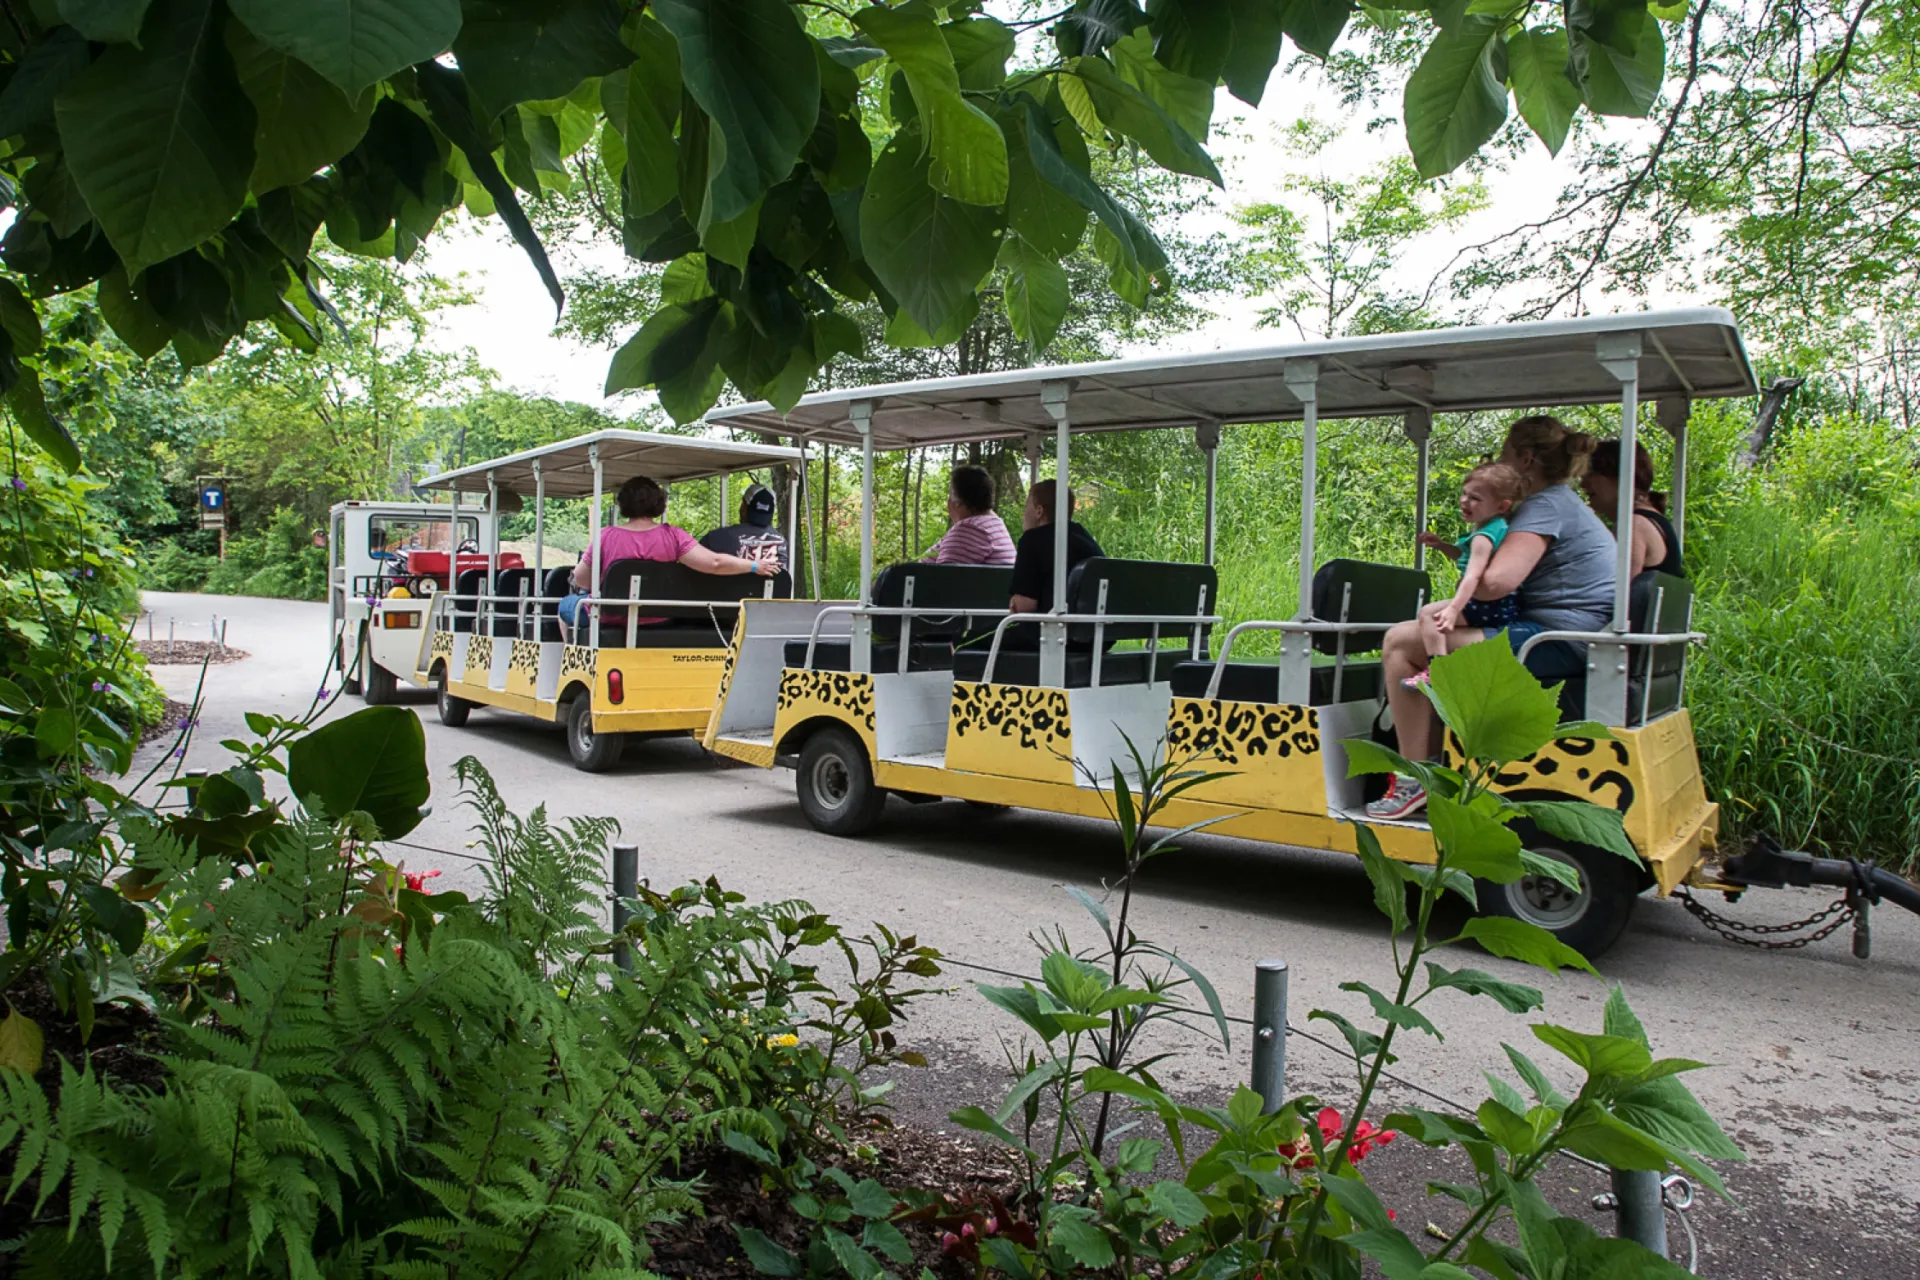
[837, 695]
[1271, 753]
[1011, 731]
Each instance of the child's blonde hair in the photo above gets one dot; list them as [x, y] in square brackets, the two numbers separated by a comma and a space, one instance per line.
[1505, 483]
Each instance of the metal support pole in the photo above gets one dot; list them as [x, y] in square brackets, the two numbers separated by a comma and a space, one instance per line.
[1418, 425]
[493, 549]
[724, 518]
[1303, 380]
[539, 526]
[1619, 355]
[1639, 1211]
[195, 777]
[593, 528]
[1270, 1034]
[860, 652]
[626, 886]
[1207, 436]
[1053, 636]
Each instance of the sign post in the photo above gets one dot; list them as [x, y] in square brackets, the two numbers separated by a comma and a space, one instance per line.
[213, 507]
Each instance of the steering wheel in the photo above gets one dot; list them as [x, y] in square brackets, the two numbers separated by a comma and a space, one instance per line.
[468, 546]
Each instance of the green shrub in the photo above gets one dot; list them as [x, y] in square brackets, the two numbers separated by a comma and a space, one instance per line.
[279, 561]
[170, 566]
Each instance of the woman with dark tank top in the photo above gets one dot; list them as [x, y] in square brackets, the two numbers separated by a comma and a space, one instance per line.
[1655, 543]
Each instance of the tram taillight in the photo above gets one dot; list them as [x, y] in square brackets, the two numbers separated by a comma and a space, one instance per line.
[616, 687]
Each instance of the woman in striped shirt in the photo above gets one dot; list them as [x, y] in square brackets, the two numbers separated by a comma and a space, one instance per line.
[978, 535]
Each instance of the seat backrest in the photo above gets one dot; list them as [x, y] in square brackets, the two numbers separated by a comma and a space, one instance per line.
[940, 586]
[1379, 593]
[1664, 665]
[509, 582]
[1162, 588]
[470, 583]
[559, 581]
[668, 580]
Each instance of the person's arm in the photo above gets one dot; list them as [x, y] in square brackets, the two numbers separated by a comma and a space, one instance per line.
[583, 572]
[1649, 548]
[1434, 542]
[1479, 556]
[938, 549]
[1023, 590]
[1518, 554]
[698, 557]
[1022, 604]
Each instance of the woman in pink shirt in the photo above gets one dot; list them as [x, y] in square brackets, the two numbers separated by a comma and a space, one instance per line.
[643, 535]
[978, 536]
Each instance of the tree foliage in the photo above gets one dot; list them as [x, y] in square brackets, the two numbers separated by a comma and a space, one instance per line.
[185, 153]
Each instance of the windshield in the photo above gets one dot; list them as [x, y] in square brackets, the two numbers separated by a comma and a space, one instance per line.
[416, 533]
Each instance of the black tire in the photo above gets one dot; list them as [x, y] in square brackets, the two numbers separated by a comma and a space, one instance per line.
[377, 684]
[835, 784]
[349, 682]
[592, 752]
[1590, 921]
[453, 708]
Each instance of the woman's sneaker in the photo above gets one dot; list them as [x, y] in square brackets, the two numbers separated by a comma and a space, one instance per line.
[1404, 798]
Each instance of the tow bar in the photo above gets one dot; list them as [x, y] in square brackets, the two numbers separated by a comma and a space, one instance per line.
[1766, 865]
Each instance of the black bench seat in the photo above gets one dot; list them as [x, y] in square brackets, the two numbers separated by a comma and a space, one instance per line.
[1022, 666]
[837, 655]
[1258, 680]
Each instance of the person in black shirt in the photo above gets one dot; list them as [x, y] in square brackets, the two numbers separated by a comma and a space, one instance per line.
[1033, 557]
[753, 538]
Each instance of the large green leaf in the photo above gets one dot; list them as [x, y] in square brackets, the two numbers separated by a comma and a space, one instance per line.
[1187, 100]
[19, 319]
[969, 155]
[667, 345]
[1514, 997]
[511, 51]
[1195, 38]
[160, 139]
[1582, 822]
[1496, 706]
[1042, 214]
[373, 761]
[353, 43]
[1055, 167]
[1537, 67]
[1456, 99]
[46, 67]
[981, 47]
[1132, 114]
[652, 99]
[29, 405]
[1518, 940]
[1389, 889]
[1036, 293]
[1254, 49]
[930, 251]
[751, 68]
[1315, 24]
[108, 21]
[1474, 842]
[305, 123]
[1618, 83]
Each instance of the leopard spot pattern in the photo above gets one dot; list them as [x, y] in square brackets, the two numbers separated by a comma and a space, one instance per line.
[479, 655]
[1036, 717]
[576, 660]
[1598, 770]
[442, 644]
[849, 692]
[1236, 732]
[526, 657]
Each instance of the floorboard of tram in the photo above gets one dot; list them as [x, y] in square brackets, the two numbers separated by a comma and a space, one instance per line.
[1816, 1074]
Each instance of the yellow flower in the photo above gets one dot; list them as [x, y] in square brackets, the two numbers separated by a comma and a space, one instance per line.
[783, 1042]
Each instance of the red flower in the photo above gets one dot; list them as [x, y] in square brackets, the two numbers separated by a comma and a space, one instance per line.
[1366, 1136]
[417, 880]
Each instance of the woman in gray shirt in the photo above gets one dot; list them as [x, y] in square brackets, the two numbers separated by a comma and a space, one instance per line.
[1560, 558]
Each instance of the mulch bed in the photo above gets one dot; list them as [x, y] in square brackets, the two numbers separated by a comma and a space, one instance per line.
[124, 1045]
[188, 653]
[905, 1157]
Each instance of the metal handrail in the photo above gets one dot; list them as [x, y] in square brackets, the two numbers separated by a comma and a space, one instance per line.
[1192, 620]
[1640, 639]
[890, 611]
[1311, 627]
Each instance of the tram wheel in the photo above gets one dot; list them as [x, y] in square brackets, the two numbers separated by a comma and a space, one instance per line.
[592, 752]
[1590, 919]
[377, 684]
[835, 784]
[453, 708]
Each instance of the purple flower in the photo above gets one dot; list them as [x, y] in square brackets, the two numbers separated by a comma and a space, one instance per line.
[20, 484]
[179, 753]
[188, 724]
[323, 693]
[101, 686]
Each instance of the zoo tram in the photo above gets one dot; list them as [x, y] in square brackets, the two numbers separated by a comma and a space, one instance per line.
[914, 688]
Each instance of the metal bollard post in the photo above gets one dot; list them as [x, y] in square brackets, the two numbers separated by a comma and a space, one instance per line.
[194, 778]
[169, 639]
[223, 637]
[1270, 1034]
[1639, 1212]
[626, 883]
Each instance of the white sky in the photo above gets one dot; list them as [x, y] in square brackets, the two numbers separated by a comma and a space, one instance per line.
[510, 327]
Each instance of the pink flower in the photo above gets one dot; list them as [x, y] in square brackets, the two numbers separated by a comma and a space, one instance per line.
[417, 880]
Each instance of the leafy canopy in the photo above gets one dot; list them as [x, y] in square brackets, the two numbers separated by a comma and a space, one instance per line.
[183, 154]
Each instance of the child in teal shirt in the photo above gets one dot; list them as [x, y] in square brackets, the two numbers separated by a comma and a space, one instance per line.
[1486, 499]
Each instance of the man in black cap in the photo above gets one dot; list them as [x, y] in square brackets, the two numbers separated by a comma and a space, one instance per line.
[754, 537]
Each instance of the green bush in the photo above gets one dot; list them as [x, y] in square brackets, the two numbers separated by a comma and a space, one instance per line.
[279, 561]
[171, 566]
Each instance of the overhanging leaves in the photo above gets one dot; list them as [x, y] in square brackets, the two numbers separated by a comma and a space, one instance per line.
[1537, 66]
[1456, 99]
[1036, 294]
[512, 52]
[160, 139]
[969, 155]
[930, 251]
[353, 42]
[304, 121]
[373, 761]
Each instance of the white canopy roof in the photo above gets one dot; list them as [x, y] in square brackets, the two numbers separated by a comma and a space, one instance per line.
[1695, 352]
[568, 471]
